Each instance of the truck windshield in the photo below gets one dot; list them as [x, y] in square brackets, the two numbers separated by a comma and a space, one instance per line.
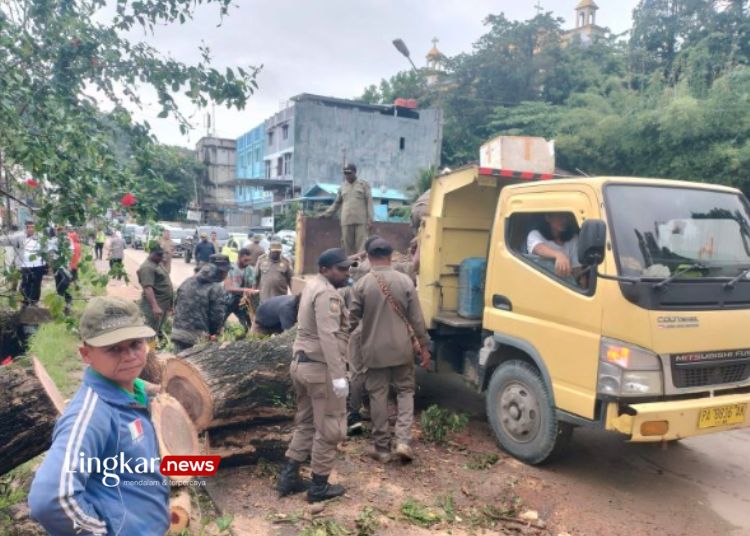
[658, 231]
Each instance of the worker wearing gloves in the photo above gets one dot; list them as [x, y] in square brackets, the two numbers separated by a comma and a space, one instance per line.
[318, 373]
[82, 488]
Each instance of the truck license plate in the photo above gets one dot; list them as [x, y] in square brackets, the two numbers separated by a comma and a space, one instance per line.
[722, 416]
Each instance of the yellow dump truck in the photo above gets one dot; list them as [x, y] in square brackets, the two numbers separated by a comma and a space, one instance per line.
[652, 339]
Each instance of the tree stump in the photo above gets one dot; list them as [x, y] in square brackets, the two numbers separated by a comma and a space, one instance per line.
[175, 430]
[245, 381]
[29, 406]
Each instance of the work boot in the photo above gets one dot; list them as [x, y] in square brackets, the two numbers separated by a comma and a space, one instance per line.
[290, 481]
[321, 490]
[404, 452]
[354, 424]
[382, 456]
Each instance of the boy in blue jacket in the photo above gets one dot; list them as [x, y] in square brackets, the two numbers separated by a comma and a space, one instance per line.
[101, 474]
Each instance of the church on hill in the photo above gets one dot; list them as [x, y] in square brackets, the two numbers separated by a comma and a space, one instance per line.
[586, 30]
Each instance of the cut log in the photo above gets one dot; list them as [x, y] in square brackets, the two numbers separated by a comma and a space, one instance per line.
[29, 406]
[247, 445]
[179, 512]
[175, 430]
[154, 368]
[245, 381]
[11, 344]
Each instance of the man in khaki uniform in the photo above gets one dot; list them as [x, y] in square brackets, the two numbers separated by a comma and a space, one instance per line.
[357, 371]
[273, 274]
[318, 373]
[387, 350]
[355, 201]
[255, 249]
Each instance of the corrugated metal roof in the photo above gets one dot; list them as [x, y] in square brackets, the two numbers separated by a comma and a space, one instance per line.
[377, 192]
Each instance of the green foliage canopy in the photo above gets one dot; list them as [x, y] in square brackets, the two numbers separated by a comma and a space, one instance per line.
[62, 62]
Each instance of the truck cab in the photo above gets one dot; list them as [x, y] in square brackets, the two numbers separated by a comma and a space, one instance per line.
[647, 337]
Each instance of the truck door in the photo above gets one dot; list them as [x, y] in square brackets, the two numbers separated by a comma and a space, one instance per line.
[528, 303]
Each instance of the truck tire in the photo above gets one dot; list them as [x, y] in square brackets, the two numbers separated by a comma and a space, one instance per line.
[188, 256]
[521, 413]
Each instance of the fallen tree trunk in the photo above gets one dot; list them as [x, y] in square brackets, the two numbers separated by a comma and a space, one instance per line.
[245, 381]
[154, 368]
[248, 445]
[29, 406]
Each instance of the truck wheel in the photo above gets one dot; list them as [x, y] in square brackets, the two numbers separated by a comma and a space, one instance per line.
[522, 416]
[188, 256]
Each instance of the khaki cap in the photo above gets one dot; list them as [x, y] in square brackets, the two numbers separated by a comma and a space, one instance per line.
[275, 246]
[107, 321]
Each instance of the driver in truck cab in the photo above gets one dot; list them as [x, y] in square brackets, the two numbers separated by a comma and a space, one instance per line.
[556, 239]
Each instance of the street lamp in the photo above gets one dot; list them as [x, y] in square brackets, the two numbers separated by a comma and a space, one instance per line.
[404, 50]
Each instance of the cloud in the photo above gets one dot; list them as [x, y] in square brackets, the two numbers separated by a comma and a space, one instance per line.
[333, 47]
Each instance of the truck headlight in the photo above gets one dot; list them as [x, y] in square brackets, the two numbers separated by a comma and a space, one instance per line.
[627, 370]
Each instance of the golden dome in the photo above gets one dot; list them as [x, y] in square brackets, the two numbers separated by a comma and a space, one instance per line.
[583, 4]
[434, 54]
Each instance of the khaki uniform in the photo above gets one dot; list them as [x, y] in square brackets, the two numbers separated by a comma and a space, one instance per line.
[387, 352]
[320, 422]
[272, 278]
[355, 201]
[256, 252]
[357, 371]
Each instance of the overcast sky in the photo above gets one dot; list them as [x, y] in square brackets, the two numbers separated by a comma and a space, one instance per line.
[335, 47]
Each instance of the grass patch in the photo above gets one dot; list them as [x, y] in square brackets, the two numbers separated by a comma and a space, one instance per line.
[57, 349]
[325, 527]
[481, 461]
[438, 422]
[420, 514]
[367, 522]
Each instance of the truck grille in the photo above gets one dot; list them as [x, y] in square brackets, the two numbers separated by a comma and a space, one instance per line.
[710, 368]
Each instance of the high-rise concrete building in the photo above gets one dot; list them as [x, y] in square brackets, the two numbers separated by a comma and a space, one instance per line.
[215, 194]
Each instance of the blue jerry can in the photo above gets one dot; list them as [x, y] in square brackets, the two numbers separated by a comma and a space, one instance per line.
[471, 275]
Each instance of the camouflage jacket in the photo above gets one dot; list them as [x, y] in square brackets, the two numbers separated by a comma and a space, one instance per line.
[199, 308]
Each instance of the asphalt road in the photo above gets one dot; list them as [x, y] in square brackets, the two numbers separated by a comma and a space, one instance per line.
[133, 259]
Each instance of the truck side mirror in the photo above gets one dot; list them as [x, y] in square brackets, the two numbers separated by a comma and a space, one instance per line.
[591, 242]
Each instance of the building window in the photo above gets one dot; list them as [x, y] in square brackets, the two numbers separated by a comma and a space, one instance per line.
[288, 164]
[270, 137]
[268, 169]
[279, 167]
[285, 132]
[402, 143]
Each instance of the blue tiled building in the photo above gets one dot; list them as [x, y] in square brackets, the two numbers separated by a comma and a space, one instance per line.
[250, 169]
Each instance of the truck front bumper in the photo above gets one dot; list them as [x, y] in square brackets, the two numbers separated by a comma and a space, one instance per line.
[676, 419]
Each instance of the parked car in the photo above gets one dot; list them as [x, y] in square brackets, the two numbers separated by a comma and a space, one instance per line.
[129, 232]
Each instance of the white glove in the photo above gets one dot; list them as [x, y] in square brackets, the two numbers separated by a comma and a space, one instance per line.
[340, 387]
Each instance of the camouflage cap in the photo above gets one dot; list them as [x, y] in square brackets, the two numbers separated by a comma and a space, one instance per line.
[107, 321]
[220, 261]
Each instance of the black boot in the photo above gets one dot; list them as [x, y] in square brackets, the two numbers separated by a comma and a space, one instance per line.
[289, 480]
[321, 490]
